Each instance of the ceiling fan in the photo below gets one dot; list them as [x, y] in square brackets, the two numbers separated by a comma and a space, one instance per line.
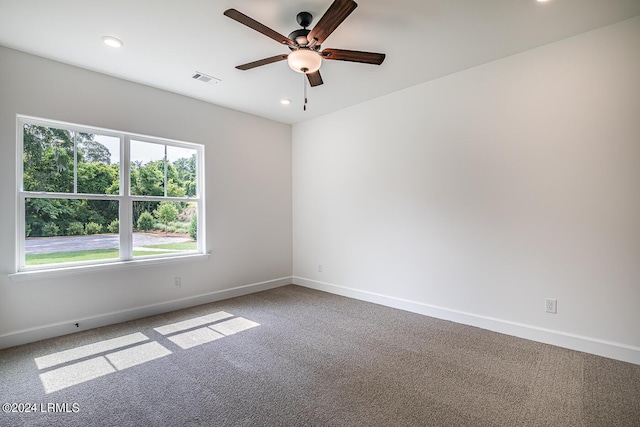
[306, 56]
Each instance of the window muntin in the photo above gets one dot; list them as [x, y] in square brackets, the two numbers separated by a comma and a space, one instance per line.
[76, 204]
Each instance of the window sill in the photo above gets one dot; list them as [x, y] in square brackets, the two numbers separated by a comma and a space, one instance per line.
[22, 276]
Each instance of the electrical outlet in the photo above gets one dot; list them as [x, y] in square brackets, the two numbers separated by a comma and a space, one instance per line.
[177, 282]
[551, 305]
[320, 268]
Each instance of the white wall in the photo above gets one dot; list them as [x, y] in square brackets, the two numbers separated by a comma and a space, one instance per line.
[476, 196]
[248, 199]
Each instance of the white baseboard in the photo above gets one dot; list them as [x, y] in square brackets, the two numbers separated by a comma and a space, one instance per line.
[612, 350]
[26, 336]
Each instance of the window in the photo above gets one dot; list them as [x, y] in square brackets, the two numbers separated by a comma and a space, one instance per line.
[95, 196]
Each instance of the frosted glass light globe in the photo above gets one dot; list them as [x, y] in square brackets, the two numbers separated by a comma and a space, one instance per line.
[304, 60]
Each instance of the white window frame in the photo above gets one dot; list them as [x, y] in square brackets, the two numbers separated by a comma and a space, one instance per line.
[125, 199]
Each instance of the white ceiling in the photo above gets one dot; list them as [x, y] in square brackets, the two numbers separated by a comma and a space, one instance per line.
[166, 41]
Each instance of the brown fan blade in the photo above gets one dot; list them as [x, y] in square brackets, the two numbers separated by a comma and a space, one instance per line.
[353, 56]
[315, 79]
[253, 24]
[261, 62]
[337, 12]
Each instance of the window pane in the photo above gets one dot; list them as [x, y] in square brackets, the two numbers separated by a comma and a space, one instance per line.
[48, 159]
[181, 172]
[98, 164]
[163, 228]
[70, 230]
[147, 169]
[64, 228]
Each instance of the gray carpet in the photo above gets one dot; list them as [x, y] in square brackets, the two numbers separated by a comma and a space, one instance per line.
[314, 359]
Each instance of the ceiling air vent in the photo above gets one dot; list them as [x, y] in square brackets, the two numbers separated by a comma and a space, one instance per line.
[204, 78]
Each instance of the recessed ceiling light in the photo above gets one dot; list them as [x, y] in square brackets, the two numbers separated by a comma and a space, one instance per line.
[112, 41]
[285, 101]
[542, 1]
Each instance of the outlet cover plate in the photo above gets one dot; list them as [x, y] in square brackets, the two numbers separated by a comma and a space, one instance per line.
[551, 305]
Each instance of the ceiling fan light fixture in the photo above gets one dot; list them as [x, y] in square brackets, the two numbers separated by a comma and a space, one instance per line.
[304, 61]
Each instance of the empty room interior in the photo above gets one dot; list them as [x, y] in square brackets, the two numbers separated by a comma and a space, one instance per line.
[320, 212]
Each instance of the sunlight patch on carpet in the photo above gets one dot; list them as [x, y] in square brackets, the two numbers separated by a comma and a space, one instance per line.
[192, 323]
[77, 373]
[233, 326]
[137, 355]
[88, 350]
[124, 352]
[80, 372]
[193, 338]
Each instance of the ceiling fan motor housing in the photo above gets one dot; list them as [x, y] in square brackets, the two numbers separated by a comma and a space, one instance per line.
[299, 38]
